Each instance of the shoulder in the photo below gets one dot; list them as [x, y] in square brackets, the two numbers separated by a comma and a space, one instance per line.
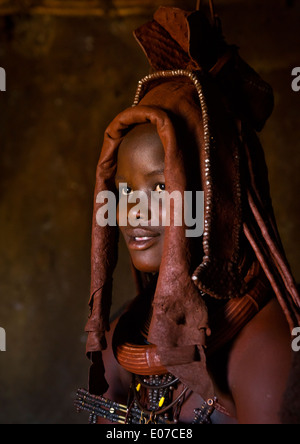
[259, 366]
[118, 379]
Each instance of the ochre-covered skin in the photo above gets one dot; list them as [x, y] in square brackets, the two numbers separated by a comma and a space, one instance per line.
[165, 135]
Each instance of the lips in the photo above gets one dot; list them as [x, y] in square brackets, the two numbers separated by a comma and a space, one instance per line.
[140, 238]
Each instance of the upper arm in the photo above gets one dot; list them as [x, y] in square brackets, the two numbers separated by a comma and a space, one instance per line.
[117, 379]
[115, 375]
[259, 366]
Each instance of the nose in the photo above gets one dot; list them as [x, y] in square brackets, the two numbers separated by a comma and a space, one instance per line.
[139, 211]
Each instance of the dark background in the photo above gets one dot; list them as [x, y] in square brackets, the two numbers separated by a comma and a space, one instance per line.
[70, 69]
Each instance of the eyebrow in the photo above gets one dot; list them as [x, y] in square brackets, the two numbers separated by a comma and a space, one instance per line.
[152, 173]
[156, 172]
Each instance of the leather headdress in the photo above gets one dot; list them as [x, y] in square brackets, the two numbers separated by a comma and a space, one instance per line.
[206, 104]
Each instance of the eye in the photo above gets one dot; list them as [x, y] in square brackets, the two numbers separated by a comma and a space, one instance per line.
[160, 188]
[126, 191]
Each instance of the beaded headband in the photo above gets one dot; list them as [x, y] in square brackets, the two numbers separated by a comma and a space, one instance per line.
[208, 139]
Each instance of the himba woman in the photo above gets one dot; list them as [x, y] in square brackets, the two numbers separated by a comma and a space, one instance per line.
[208, 338]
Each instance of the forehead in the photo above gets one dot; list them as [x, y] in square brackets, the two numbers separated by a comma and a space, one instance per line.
[142, 145]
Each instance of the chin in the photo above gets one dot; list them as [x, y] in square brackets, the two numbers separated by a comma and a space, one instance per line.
[146, 259]
[146, 268]
[145, 262]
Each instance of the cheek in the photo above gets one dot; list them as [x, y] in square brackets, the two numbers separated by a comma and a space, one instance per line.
[159, 213]
[122, 213]
[118, 219]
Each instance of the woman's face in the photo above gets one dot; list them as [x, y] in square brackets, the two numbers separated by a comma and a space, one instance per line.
[141, 166]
